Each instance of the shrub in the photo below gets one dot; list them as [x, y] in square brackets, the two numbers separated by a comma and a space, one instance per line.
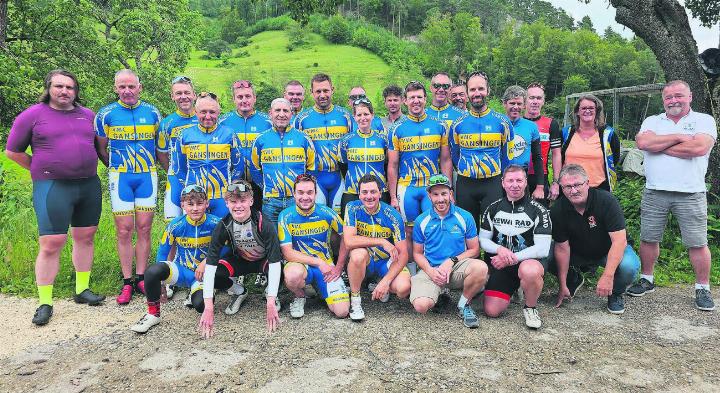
[216, 48]
[337, 30]
[265, 93]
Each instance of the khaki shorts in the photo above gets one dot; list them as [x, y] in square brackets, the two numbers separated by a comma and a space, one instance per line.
[423, 286]
[690, 210]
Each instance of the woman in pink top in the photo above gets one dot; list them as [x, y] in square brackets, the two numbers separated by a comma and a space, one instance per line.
[66, 188]
[591, 143]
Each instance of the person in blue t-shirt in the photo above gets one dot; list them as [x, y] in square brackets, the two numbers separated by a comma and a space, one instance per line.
[446, 248]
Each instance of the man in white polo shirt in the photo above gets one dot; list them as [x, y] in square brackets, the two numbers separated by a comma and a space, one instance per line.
[676, 146]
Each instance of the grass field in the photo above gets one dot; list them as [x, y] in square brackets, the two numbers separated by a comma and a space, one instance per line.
[270, 61]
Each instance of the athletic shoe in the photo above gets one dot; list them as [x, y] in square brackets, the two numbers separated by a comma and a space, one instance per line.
[88, 297]
[704, 300]
[236, 289]
[470, 320]
[125, 294]
[235, 302]
[188, 300]
[278, 306]
[356, 312]
[616, 304]
[261, 280]
[140, 286]
[640, 288]
[532, 318]
[575, 281]
[371, 288]
[43, 314]
[145, 323]
[169, 292]
[297, 307]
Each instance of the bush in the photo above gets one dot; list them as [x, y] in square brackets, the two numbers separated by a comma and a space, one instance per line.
[265, 93]
[297, 37]
[268, 24]
[242, 42]
[216, 48]
[337, 30]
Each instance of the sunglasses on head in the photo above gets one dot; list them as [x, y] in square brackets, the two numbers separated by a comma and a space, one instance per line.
[305, 177]
[181, 79]
[239, 187]
[536, 84]
[362, 100]
[192, 188]
[355, 97]
[208, 94]
[438, 179]
[242, 84]
[480, 74]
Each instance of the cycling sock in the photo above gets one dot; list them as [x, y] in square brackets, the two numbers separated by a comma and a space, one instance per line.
[45, 294]
[526, 306]
[127, 281]
[462, 302]
[154, 308]
[140, 278]
[648, 277]
[82, 281]
[702, 286]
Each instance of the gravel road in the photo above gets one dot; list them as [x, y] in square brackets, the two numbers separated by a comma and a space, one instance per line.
[660, 344]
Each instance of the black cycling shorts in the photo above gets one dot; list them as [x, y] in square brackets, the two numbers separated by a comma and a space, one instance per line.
[504, 282]
[475, 195]
[60, 203]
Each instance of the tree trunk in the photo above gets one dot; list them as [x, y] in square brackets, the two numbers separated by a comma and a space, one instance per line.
[664, 26]
[3, 21]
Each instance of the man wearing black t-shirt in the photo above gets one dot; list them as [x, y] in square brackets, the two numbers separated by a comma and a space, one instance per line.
[589, 231]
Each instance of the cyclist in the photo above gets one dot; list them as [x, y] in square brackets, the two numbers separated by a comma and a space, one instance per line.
[393, 100]
[358, 93]
[458, 95]
[440, 108]
[550, 138]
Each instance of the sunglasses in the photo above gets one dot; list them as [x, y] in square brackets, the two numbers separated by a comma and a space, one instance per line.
[242, 84]
[356, 97]
[208, 94]
[444, 86]
[438, 180]
[239, 187]
[362, 100]
[480, 74]
[193, 188]
[305, 177]
[181, 79]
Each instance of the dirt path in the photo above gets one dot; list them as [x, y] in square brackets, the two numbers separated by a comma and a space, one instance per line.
[661, 344]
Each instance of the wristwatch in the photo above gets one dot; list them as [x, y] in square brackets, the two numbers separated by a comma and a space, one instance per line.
[454, 260]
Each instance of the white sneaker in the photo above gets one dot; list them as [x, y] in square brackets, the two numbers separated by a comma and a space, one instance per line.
[169, 292]
[236, 300]
[236, 289]
[277, 300]
[145, 323]
[532, 319]
[356, 311]
[188, 300]
[297, 307]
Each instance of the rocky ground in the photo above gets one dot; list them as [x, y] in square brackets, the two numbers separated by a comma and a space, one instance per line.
[660, 344]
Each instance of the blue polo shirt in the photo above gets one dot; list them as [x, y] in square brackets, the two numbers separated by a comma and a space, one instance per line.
[444, 237]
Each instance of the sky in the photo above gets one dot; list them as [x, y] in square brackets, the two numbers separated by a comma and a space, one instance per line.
[603, 15]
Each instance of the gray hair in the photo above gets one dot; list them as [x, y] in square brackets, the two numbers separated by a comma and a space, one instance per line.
[280, 100]
[675, 83]
[573, 170]
[513, 92]
[126, 71]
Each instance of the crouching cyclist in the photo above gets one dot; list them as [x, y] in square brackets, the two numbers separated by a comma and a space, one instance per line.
[255, 248]
[189, 235]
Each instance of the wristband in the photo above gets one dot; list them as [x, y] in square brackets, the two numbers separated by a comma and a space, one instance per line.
[454, 260]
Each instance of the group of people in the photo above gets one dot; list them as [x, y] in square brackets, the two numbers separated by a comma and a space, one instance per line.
[331, 197]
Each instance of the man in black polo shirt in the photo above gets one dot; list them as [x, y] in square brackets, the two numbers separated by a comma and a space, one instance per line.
[589, 231]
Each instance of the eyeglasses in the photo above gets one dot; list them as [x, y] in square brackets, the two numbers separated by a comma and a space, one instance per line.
[193, 188]
[305, 177]
[180, 79]
[208, 94]
[587, 109]
[438, 180]
[577, 186]
[356, 97]
[536, 84]
[362, 100]
[242, 84]
[480, 74]
[444, 86]
[238, 187]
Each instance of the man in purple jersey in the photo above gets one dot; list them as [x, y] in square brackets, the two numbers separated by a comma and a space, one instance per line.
[66, 189]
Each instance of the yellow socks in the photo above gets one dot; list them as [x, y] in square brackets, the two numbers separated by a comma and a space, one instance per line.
[45, 294]
[82, 281]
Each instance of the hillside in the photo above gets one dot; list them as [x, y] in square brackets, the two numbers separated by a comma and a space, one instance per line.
[270, 61]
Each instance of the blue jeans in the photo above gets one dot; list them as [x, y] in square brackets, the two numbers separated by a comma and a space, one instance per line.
[272, 207]
[624, 275]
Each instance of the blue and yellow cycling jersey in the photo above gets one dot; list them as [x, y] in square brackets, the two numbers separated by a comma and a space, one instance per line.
[447, 114]
[282, 156]
[481, 144]
[526, 132]
[325, 128]
[385, 223]
[247, 130]
[376, 124]
[418, 140]
[191, 240]
[309, 233]
[363, 154]
[210, 158]
[170, 129]
[132, 132]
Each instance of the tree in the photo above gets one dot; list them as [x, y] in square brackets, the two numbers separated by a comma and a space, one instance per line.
[664, 26]
[216, 48]
[586, 24]
[708, 11]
